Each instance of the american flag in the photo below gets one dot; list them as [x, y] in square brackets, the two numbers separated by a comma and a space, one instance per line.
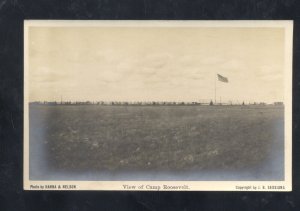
[222, 78]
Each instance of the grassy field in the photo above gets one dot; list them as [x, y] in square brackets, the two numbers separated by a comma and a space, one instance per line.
[157, 138]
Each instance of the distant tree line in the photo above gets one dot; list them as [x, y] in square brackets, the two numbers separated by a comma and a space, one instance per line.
[152, 103]
[115, 103]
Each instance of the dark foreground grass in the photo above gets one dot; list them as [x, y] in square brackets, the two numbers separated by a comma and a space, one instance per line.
[156, 138]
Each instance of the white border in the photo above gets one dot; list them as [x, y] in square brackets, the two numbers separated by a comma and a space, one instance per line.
[192, 185]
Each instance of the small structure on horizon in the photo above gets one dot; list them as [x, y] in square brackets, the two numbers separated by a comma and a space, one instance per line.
[278, 103]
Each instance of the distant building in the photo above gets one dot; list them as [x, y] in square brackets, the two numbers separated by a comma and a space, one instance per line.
[278, 103]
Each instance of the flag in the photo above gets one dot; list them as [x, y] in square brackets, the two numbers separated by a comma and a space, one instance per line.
[222, 78]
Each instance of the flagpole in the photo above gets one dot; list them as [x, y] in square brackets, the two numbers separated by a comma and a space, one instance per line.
[215, 88]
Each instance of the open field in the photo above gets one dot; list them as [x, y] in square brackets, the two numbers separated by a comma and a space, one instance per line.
[82, 139]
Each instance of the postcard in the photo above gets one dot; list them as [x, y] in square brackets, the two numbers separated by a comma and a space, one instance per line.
[158, 105]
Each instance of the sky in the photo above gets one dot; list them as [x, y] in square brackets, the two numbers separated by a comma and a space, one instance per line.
[155, 63]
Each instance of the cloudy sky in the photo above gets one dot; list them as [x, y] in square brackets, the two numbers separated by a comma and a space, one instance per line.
[155, 63]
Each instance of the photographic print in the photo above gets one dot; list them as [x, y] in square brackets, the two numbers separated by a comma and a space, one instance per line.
[158, 105]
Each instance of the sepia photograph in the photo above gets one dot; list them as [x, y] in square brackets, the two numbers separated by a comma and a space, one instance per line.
[158, 105]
